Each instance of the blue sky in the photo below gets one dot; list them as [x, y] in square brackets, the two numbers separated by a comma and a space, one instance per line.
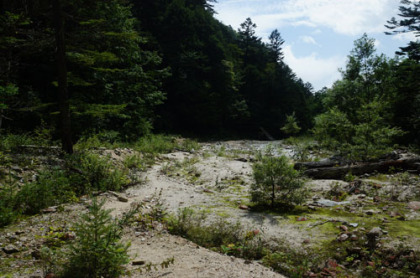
[318, 34]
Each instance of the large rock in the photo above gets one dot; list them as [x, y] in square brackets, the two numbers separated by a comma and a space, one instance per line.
[10, 249]
[414, 205]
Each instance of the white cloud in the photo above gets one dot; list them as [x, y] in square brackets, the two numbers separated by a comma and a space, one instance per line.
[318, 71]
[349, 17]
[309, 40]
[405, 37]
[317, 32]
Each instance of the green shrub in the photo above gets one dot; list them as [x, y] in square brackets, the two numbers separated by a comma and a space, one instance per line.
[97, 251]
[10, 142]
[8, 189]
[155, 144]
[137, 161]
[91, 172]
[368, 136]
[289, 262]
[291, 126]
[94, 142]
[277, 181]
[220, 235]
[51, 188]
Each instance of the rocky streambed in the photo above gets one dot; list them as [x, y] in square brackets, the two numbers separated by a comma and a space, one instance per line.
[369, 222]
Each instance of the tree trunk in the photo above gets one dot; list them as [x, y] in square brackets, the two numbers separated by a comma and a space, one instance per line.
[63, 96]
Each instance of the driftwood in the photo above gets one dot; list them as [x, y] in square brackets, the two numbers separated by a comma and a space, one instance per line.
[319, 171]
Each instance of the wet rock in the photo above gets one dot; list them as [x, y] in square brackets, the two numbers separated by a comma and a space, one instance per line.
[10, 249]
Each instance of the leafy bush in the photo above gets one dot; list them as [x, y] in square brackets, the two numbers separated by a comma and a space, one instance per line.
[92, 172]
[51, 188]
[277, 181]
[98, 251]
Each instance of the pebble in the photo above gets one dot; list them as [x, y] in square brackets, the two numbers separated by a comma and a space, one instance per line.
[353, 237]
[343, 237]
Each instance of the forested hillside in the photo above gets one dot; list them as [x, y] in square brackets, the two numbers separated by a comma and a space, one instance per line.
[122, 68]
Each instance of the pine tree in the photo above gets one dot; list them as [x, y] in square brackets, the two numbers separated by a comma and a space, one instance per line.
[97, 251]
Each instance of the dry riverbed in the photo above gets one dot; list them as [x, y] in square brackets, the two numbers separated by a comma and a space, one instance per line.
[338, 219]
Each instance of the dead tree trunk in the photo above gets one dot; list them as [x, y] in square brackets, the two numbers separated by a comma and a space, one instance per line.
[339, 172]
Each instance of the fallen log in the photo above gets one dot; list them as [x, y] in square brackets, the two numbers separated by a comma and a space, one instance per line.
[411, 163]
[329, 162]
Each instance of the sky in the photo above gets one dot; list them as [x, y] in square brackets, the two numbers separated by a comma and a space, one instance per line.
[318, 34]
